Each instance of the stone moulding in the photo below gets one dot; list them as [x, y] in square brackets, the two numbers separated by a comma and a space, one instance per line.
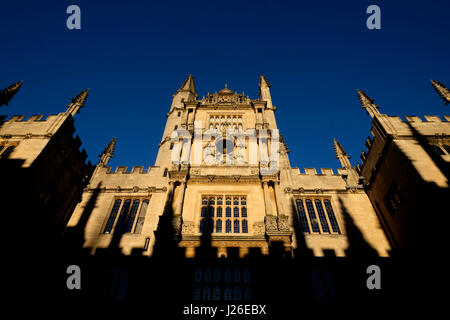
[135, 189]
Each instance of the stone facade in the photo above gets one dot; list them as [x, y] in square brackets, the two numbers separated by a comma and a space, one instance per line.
[406, 173]
[177, 187]
[44, 168]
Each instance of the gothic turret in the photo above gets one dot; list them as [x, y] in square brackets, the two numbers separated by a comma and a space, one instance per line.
[107, 153]
[442, 90]
[185, 93]
[188, 85]
[352, 176]
[77, 102]
[368, 104]
[341, 155]
[9, 92]
[264, 91]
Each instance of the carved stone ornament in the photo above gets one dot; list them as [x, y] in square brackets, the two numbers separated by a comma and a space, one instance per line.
[188, 227]
[259, 228]
[271, 223]
[176, 224]
[288, 190]
[283, 222]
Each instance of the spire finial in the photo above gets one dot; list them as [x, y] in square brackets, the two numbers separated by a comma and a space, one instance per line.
[81, 97]
[263, 81]
[108, 152]
[226, 85]
[368, 103]
[339, 150]
[188, 85]
[77, 102]
[442, 91]
[341, 154]
[9, 92]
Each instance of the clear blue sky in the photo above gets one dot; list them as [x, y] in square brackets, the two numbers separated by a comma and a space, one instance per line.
[134, 55]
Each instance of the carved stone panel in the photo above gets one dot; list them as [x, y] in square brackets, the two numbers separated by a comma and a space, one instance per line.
[271, 223]
[176, 223]
[283, 222]
[188, 227]
[259, 227]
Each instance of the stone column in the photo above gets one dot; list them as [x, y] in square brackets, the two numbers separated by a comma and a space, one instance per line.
[278, 198]
[180, 198]
[169, 194]
[270, 219]
[267, 198]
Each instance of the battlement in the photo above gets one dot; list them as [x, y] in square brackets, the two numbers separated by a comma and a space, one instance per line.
[125, 170]
[323, 172]
[32, 118]
[427, 118]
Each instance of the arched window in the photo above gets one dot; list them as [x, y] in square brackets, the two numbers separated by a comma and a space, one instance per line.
[171, 146]
[204, 201]
[244, 226]
[237, 275]
[211, 211]
[219, 201]
[112, 216]
[217, 274]
[227, 293]
[203, 212]
[228, 212]
[302, 216]
[219, 226]
[227, 276]
[206, 293]
[175, 128]
[247, 293]
[237, 293]
[210, 226]
[132, 216]
[202, 225]
[207, 274]
[228, 201]
[236, 212]
[123, 214]
[246, 275]
[219, 212]
[322, 218]
[236, 201]
[244, 212]
[228, 226]
[212, 201]
[332, 217]
[312, 216]
[243, 201]
[216, 293]
[236, 226]
[141, 216]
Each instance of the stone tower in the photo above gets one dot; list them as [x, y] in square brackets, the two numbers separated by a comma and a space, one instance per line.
[222, 184]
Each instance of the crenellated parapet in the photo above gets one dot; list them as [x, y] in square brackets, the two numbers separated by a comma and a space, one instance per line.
[325, 179]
